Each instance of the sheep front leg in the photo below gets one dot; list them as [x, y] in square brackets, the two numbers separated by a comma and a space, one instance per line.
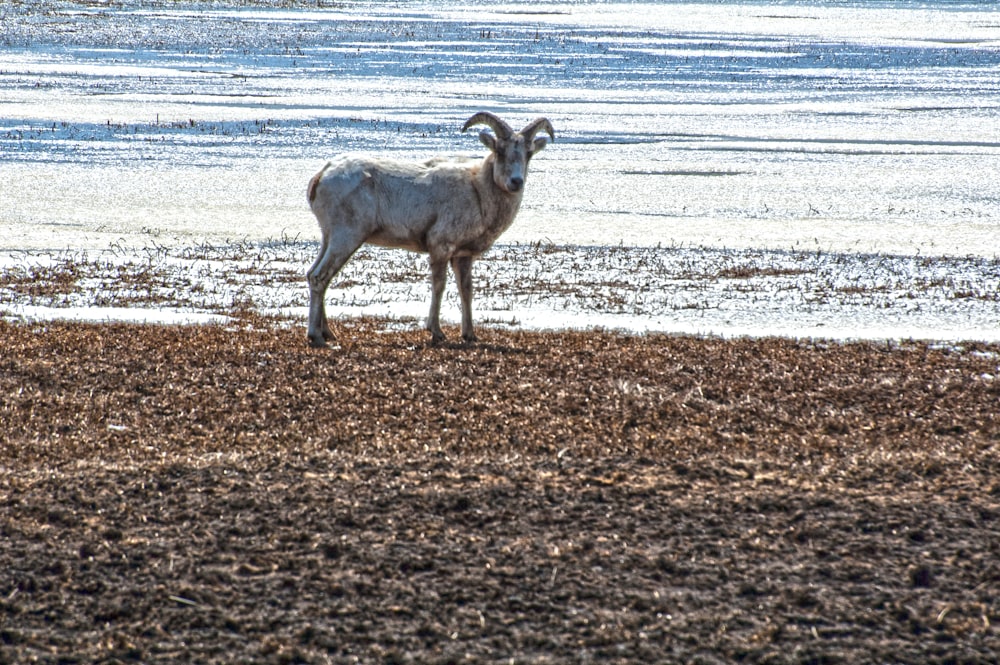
[439, 277]
[462, 265]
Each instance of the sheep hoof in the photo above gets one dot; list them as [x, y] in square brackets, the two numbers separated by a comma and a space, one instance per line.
[317, 341]
[437, 338]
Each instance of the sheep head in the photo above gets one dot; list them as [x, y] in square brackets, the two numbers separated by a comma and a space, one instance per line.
[511, 150]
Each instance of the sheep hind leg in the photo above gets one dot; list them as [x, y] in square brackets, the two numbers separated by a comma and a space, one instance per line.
[462, 266]
[334, 253]
[325, 333]
[439, 277]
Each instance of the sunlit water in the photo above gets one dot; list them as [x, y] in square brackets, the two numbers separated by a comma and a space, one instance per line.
[852, 127]
[846, 126]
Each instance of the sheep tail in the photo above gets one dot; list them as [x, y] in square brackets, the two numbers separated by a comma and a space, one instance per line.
[314, 183]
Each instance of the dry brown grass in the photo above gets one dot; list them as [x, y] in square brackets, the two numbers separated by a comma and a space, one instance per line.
[227, 494]
[115, 391]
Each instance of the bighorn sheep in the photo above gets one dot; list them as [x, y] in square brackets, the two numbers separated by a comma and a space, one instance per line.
[452, 208]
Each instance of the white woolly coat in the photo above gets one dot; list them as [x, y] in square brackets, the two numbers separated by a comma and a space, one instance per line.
[443, 206]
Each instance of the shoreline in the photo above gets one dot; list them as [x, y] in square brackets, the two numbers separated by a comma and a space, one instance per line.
[539, 286]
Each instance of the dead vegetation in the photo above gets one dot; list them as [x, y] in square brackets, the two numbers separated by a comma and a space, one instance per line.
[545, 285]
[221, 494]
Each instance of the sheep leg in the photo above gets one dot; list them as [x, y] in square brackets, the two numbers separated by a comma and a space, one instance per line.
[439, 277]
[334, 253]
[326, 333]
[462, 266]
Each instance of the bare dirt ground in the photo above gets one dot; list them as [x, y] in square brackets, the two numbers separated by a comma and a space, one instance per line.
[227, 495]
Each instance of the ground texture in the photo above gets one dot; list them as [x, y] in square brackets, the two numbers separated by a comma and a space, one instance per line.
[227, 494]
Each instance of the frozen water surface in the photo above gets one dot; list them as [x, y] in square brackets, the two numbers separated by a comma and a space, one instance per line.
[857, 129]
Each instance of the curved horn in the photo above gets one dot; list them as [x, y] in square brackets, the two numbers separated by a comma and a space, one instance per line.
[501, 128]
[536, 126]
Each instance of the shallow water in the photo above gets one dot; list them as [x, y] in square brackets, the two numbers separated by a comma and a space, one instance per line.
[538, 286]
[853, 129]
[842, 126]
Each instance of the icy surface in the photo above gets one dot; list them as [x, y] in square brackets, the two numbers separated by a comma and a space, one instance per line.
[772, 129]
[538, 286]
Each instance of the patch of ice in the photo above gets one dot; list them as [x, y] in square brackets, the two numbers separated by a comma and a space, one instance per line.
[109, 314]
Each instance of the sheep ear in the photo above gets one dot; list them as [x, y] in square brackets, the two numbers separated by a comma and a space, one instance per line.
[539, 144]
[488, 140]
